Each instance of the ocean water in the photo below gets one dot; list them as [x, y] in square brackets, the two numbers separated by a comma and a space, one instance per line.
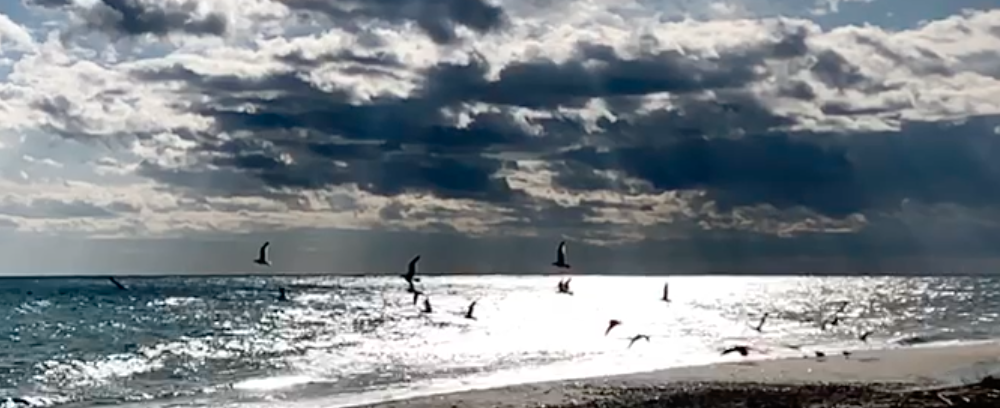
[228, 341]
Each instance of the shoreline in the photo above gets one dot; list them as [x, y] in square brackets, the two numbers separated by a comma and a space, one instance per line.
[873, 373]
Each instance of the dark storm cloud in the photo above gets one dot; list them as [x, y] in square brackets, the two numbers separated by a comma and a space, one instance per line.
[395, 144]
[437, 18]
[832, 174]
[138, 17]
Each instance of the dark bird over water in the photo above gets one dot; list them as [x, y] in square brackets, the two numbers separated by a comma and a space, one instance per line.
[564, 286]
[561, 256]
[262, 256]
[115, 281]
[636, 338]
[472, 307]
[743, 350]
[611, 325]
[282, 296]
[760, 325]
[411, 271]
[864, 336]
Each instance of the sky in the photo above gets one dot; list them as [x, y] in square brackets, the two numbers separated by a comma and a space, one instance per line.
[655, 136]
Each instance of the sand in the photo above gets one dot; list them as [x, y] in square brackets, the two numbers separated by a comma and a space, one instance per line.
[917, 377]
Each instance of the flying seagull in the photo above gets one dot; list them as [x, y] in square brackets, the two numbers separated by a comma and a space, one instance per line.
[561, 256]
[411, 271]
[262, 256]
[472, 307]
[864, 336]
[564, 286]
[636, 338]
[743, 350]
[666, 292]
[834, 321]
[115, 281]
[427, 305]
[760, 324]
[611, 325]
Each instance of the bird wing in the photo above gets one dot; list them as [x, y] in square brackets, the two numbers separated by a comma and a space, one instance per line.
[263, 250]
[472, 306]
[412, 269]
[561, 252]
[666, 290]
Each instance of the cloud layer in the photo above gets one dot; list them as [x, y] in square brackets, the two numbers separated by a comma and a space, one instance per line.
[728, 138]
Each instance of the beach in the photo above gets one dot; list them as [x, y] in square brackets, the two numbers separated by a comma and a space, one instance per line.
[940, 376]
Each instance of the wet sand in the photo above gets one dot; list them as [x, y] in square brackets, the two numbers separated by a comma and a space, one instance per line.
[909, 377]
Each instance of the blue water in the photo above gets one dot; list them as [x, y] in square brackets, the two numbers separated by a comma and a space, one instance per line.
[228, 341]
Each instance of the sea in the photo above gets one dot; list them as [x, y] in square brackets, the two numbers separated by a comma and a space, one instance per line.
[344, 341]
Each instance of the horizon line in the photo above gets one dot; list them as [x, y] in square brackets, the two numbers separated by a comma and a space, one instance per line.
[394, 274]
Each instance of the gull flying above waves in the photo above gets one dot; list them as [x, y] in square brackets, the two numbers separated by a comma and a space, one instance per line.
[564, 286]
[636, 338]
[561, 256]
[864, 336]
[472, 307]
[833, 321]
[742, 349]
[611, 325]
[411, 271]
[760, 324]
[262, 256]
[416, 294]
[115, 281]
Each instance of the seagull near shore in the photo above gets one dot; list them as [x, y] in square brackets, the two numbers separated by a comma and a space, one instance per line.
[411, 271]
[262, 256]
[760, 324]
[636, 338]
[115, 281]
[743, 350]
[472, 307]
[564, 287]
[833, 321]
[561, 256]
[864, 336]
[611, 325]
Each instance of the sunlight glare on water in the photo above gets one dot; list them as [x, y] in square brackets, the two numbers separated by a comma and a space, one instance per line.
[230, 339]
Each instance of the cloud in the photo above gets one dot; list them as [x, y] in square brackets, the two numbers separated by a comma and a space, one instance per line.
[738, 138]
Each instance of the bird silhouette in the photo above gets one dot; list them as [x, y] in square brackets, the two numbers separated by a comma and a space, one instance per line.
[561, 256]
[262, 256]
[636, 338]
[611, 325]
[743, 350]
[411, 271]
[666, 292]
[472, 307]
[760, 325]
[864, 336]
[115, 281]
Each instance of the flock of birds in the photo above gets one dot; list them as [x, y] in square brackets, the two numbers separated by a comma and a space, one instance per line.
[563, 287]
